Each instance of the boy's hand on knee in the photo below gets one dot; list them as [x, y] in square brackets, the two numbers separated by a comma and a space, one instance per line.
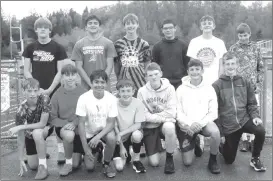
[196, 127]
[89, 154]
[123, 152]
[94, 142]
[23, 168]
[257, 121]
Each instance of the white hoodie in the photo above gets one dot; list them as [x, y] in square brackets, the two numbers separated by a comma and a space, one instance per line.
[160, 105]
[196, 103]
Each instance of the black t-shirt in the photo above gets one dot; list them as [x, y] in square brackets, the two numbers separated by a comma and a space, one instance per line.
[44, 59]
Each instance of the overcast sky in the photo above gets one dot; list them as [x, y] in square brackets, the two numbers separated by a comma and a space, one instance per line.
[23, 8]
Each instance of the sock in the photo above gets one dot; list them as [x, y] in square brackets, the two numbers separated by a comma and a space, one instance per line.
[60, 147]
[169, 154]
[213, 157]
[106, 163]
[136, 156]
[43, 162]
[68, 161]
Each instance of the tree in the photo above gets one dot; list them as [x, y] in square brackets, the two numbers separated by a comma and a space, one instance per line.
[84, 16]
[179, 33]
[117, 31]
[229, 35]
[253, 26]
[193, 32]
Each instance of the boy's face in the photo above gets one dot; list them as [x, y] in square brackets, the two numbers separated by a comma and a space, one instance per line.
[230, 67]
[169, 30]
[131, 26]
[153, 76]
[43, 31]
[207, 26]
[195, 72]
[69, 80]
[32, 94]
[98, 85]
[93, 26]
[126, 93]
[243, 37]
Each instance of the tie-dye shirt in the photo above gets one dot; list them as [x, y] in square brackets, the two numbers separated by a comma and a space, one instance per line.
[25, 115]
[251, 65]
[131, 56]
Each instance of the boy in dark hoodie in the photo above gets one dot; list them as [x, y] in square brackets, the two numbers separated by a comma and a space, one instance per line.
[64, 102]
[238, 113]
[159, 98]
[171, 54]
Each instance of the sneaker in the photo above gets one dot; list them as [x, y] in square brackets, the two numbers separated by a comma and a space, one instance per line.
[47, 156]
[67, 168]
[169, 166]
[109, 171]
[61, 158]
[214, 166]
[244, 146]
[198, 151]
[138, 167]
[42, 173]
[257, 165]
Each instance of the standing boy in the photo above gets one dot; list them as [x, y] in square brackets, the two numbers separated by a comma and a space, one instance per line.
[97, 110]
[171, 54]
[128, 126]
[43, 61]
[197, 108]
[251, 67]
[93, 52]
[64, 102]
[133, 54]
[209, 50]
[159, 98]
[238, 113]
[33, 129]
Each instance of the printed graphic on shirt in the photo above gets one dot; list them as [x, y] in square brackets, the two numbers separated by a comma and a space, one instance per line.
[206, 55]
[42, 56]
[156, 104]
[99, 115]
[93, 51]
[129, 57]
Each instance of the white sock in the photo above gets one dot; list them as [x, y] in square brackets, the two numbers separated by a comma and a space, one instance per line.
[136, 156]
[60, 147]
[43, 162]
[68, 161]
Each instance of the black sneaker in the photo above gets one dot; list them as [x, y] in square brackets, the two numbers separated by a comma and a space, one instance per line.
[169, 166]
[257, 165]
[138, 167]
[198, 151]
[214, 167]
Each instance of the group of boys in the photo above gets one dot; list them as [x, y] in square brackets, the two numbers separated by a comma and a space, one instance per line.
[174, 97]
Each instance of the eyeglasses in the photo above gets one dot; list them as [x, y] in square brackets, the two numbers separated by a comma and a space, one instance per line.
[168, 28]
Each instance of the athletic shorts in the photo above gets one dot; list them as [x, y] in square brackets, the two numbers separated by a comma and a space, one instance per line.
[30, 143]
[78, 148]
[152, 140]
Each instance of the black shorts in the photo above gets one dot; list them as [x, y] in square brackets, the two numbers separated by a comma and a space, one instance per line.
[152, 140]
[186, 142]
[30, 143]
[58, 132]
[78, 148]
[126, 144]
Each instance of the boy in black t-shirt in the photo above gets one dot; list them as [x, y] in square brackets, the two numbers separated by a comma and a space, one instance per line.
[45, 57]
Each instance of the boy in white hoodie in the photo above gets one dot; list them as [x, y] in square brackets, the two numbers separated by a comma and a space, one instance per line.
[158, 96]
[197, 108]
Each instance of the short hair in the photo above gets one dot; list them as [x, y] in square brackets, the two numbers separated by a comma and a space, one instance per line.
[227, 56]
[30, 83]
[98, 74]
[125, 83]
[91, 17]
[168, 21]
[130, 17]
[195, 63]
[152, 66]
[243, 28]
[207, 17]
[41, 22]
[69, 69]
